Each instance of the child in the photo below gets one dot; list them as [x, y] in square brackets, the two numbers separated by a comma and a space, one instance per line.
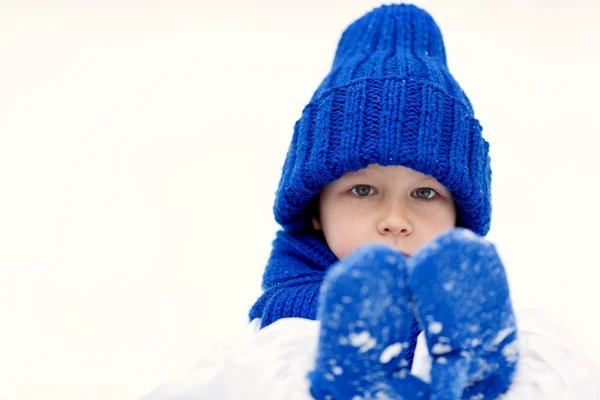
[380, 284]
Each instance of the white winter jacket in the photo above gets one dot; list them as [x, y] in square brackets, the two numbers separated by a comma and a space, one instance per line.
[273, 363]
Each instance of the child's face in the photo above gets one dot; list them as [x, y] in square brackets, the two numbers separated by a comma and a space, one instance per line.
[391, 205]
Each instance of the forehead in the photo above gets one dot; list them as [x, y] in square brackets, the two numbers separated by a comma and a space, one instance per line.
[390, 171]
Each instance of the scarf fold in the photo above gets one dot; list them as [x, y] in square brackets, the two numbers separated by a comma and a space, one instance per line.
[292, 279]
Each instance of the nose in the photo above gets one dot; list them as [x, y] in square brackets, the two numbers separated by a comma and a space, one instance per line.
[395, 221]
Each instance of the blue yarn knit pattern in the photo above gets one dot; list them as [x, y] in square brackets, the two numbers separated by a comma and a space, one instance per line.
[292, 280]
[389, 100]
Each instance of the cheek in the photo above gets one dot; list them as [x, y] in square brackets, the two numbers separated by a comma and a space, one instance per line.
[438, 222]
[344, 233]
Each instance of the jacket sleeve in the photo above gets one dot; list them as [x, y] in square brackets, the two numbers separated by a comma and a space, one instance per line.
[202, 377]
[272, 363]
[552, 365]
[267, 364]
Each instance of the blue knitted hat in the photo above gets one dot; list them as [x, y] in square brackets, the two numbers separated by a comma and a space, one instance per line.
[389, 100]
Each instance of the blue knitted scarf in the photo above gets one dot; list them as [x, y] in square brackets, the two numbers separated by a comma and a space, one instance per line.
[292, 279]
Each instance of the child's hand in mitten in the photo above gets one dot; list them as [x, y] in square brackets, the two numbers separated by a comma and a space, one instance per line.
[462, 302]
[366, 324]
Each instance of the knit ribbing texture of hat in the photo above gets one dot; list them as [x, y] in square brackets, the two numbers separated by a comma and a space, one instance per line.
[389, 99]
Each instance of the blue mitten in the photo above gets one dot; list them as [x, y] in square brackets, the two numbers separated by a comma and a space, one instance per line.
[463, 304]
[365, 324]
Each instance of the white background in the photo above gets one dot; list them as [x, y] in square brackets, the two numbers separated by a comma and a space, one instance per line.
[141, 144]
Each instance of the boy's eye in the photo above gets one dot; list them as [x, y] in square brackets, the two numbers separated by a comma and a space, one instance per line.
[362, 190]
[425, 193]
